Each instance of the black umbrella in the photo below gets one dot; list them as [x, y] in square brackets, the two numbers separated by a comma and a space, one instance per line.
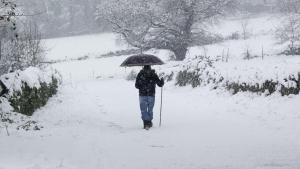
[141, 60]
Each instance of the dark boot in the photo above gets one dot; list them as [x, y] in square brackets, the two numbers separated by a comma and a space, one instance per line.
[147, 124]
[150, 123]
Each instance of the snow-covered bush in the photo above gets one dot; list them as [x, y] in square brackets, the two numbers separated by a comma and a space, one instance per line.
[291, 86]
[199, 72]
[234, 36]
[251, 76]
[291, 50]
[167, 77]
[28, 90]
[132, 75]
[30, 99]
[289, 32]
[268, 87]
[22, 52]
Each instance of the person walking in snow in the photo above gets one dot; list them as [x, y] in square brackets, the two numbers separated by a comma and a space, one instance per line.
[146, 82]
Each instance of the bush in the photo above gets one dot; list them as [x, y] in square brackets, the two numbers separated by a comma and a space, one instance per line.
[201, 74]
[292, 51]
[131, 76]
[234, 36]
[22, 52]
[268, 86]
[167, 77]
[291, 89]
[29, 99]
[185, 78]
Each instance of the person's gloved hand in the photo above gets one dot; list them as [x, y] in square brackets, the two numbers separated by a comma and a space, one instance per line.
[162, 81]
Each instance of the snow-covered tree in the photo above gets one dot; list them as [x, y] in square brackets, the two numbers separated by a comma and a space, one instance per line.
[20, 43]
[131, 19]
[162, 24]
[7, 21]
[289, 6]
[289, 31]
[62, 17]
[7, 13]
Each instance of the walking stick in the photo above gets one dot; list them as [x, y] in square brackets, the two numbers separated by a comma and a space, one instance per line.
[161, 93]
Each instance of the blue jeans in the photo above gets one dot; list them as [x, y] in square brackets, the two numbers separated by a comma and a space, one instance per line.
[146, 106]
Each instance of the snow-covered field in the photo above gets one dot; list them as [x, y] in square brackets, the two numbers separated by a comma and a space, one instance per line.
[94, 120]
[88, 45]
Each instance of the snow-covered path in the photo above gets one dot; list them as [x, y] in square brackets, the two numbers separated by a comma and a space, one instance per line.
[95, 124]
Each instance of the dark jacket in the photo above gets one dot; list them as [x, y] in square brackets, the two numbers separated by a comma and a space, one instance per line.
[146, 82]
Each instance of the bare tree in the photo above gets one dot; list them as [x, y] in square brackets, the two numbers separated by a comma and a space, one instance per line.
[20, 47]
[24, 51]
[289, 6]
[290, 32]
[7, 13]
[245, 26]
[63, 17]
[290, 28]
[7, 20]
[162, 24]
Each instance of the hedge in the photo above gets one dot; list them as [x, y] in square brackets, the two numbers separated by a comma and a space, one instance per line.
[29, 99]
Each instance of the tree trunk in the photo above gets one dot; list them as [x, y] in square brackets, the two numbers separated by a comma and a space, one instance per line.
[0, 49]
[180, 52]
[180, 49]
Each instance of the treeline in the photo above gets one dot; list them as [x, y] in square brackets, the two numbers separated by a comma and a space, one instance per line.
[63, 17]
[74, 17]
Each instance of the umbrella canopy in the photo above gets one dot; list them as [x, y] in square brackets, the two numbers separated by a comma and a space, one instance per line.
[141, 60]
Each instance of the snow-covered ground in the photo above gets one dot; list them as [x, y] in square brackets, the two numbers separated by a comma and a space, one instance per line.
[88, 45]
[94, 120]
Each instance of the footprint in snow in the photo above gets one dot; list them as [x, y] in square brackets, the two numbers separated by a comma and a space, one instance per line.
[114, 125]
